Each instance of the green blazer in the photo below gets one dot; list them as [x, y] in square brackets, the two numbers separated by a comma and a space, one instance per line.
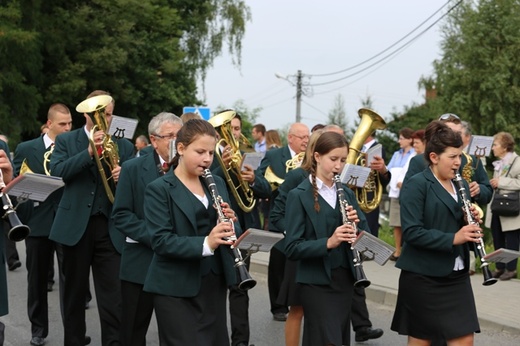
[430, 217]
[307, 234]
[37, 215]
[175, 269]
[71, 161]
[418, 164]
[4, 307]
[128, 215]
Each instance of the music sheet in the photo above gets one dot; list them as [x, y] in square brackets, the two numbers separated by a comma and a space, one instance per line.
[376, 150]
[122, 127]
[354, 175]
[502, 255]
[373, 247]
[36, 187]
[259, 240]
[480, 145]
[253, 159]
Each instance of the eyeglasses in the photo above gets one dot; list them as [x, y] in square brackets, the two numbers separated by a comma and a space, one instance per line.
[302, 137]
[168, 136]
[449, 117]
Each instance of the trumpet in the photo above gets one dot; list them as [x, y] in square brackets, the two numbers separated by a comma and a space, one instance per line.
[246, 282]
[481, 251]
[18, 231]
[361, 279]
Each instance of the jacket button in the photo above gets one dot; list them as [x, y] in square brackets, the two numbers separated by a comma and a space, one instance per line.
[89, 205]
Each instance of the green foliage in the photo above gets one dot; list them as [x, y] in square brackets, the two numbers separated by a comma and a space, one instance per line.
[147, 54]
[338, 115]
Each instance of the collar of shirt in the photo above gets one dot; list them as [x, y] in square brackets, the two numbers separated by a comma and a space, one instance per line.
[367, 145]
[47, 141]
[327, 193]
[260, 146]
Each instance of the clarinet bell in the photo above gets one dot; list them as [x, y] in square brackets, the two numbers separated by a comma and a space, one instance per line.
[18, 231]
[246, 282]
[488, 277]
[361, 279]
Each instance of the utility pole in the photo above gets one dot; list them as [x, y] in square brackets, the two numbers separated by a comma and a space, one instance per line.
[299, 96]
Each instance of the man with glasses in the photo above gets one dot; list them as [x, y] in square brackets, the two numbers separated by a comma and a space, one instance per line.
[297, 140]
[128, 218]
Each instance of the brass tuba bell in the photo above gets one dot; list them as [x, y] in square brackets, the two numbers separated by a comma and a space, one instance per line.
[95, 108]
[370, 195]
[239, 188]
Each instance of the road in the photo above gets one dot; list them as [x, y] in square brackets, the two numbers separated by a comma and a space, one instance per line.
[264, 331]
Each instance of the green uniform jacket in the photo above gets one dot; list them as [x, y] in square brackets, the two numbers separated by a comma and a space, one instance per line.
[418, 164]
[177, 243]
[128, 215]
[37, 215]
[71, 161]
[4, 307]
[307, 234]
[430, 217]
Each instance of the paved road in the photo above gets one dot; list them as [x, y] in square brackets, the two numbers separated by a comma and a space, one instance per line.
[265, 331]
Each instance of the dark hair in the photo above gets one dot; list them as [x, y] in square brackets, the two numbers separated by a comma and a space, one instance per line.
[260, 128]
[439, 137]
[317, 127]
[189, 132]
[419, 134]
[326, 142]
[406, 132]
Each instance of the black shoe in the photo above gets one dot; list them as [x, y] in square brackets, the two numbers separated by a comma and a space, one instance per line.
[49, 286]
[87, 340]
[14, 265]
[243, 344]
[367, 333]
[37, 341]
[87, 305]
[280, 316]
[497, 273]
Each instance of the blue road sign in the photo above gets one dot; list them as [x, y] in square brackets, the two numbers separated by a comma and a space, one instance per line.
[204, 112]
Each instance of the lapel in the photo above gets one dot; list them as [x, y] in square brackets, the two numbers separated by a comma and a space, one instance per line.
[149, 168]
[318, 223]
[443, 195]
[180, 195]
[39, 151]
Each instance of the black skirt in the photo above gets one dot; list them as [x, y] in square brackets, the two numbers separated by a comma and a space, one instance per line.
[289, 294]
[434, 308]
[327, 310]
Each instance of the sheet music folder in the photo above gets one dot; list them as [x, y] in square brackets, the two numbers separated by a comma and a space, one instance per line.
[502, 255]
[254, 240]
[373, 248]
[33, 186]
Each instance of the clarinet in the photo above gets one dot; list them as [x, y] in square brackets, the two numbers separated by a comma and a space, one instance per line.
[361, 279]
[481, 251]
[246, 282]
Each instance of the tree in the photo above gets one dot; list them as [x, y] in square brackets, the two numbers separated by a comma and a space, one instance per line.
[148, 54]
[338, 115]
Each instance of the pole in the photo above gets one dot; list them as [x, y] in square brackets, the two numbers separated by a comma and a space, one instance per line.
[298, 96]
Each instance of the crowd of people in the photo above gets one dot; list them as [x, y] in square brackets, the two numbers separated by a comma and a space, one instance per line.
[157, 225]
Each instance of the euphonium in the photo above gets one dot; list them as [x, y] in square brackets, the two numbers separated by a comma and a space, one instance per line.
[245, 280]
[240, 189]
[481, 251]
[361, 278]
[370, 121]
[95, 108]
[290, 164]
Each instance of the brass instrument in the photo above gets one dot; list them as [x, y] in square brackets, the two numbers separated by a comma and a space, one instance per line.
[370, 121]
[361, 278]
[17, 231]
[245, 280]
[467, 174]
[95, 108]
[290, 164]
[481, 251]
[24, 168]
[240, 189]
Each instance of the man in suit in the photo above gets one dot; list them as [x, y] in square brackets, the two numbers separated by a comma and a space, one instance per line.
[297, 140]
[128, 218]
[33, 155]
[81, 225]
[6, 170]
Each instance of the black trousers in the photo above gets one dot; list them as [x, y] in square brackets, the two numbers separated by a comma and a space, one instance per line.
[11, 254]
[359, 311]
[373, 221]
[94, 250]
[137, 310]
[507, 240]
[275, 274]
[40, 251]
[239, 311]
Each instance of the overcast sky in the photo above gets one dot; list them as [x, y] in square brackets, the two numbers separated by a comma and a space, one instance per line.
[324, 37]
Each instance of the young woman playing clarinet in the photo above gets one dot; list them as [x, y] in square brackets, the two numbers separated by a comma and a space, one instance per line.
[435, 299]
[319, 238]
[192, 264]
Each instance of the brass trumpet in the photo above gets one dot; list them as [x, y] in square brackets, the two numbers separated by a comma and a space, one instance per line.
[95, 108]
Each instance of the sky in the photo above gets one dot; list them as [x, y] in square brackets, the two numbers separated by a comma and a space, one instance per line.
[322, 38]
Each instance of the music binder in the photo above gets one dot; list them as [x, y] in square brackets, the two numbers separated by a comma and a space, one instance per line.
[33, 186]
[373, 248]
[502, 255]
[254, 240]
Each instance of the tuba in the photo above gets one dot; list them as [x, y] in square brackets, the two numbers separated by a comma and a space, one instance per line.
[370, 121]
[239, 188]
[95, 108]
